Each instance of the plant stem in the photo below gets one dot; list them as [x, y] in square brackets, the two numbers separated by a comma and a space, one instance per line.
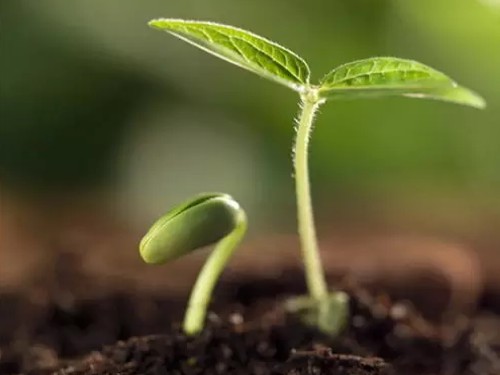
[201, 294]
[315, 277]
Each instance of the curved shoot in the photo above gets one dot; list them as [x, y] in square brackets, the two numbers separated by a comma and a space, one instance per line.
[204, 220]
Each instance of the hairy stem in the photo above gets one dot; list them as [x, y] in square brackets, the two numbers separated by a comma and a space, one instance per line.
[201, 294]
[315, 276]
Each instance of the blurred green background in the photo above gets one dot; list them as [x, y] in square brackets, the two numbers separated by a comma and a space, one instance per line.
[94, 102]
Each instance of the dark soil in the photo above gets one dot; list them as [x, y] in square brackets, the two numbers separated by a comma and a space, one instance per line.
[64, 330]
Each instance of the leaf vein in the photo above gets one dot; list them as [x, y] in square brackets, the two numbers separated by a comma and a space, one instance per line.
[370, 75]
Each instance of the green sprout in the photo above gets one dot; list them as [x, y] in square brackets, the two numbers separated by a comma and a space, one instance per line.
[198, 222]
[372, 77]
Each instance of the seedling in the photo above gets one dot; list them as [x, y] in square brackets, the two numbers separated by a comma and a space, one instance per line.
[372, 77]
[198, 222]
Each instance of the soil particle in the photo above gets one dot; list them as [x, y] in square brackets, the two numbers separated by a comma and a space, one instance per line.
[222, 350]
[323, 361]
[248, 337]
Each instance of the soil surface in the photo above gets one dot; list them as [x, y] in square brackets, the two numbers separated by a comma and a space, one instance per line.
[61, 333]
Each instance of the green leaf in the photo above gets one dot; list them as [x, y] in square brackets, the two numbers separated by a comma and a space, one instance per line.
[196, 223]
[242, 48]
[388, 76]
